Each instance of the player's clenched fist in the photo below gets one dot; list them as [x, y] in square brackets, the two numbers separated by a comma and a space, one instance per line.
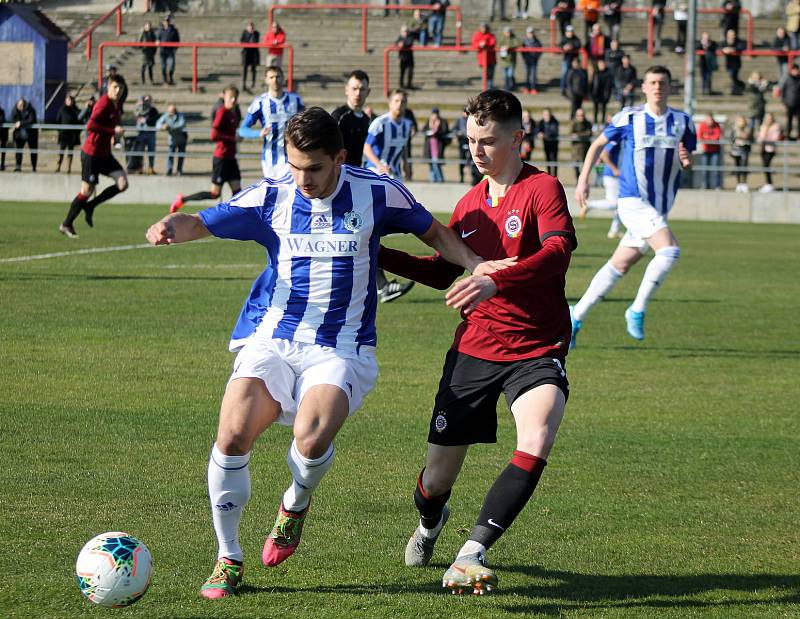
[161, 233]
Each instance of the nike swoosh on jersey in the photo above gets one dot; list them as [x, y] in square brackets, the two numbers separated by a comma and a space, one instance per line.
[466, 234]
[494, 524]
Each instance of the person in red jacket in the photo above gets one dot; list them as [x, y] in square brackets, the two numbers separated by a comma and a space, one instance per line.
[96, 158]
[276, 38]
[225, 168]
[709, 133]
[511, 341]
[485, 43]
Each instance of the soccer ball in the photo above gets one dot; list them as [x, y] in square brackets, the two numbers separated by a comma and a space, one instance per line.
[114, 569]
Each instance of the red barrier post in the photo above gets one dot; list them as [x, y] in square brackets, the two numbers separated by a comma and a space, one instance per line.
[100, 67]
[290, 68]
[194, 68]
[749, 29]
[364, 29]
[89, 46]
[651, 33]
[386, 70]
[119, 21]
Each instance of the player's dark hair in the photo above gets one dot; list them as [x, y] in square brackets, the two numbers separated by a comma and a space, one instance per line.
[498, 105]
[360, 75]
[276, 69]
[314, 129]
[233, 89]
[117, 79]
[659, 69]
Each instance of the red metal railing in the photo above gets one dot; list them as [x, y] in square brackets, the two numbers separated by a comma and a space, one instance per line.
[87, 34]
[364, 8]
[196, 45]
[651, 24]
[462, 48]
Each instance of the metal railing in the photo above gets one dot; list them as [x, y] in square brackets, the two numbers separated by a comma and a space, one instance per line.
[87, 34]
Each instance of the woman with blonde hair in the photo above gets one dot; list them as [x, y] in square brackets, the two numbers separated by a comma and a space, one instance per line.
[769, 135]
[741, 139]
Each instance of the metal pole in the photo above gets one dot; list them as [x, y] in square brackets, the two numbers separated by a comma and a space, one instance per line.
[691, 37]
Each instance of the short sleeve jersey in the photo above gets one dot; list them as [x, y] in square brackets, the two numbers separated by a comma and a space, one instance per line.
[319, 285]
[530, 323]
[651, 169]
[224, 133]
[354, 126]
[388, 139]
[274, 114]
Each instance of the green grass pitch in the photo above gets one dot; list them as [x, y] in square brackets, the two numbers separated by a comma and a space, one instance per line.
[672, 490]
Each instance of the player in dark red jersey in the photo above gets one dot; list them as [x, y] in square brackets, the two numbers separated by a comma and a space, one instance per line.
[96, 157]
[225, 167]
[513, 339]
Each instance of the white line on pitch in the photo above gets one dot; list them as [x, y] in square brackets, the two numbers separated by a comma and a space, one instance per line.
[79, 252]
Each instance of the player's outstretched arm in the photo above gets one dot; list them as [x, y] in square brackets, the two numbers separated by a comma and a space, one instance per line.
[176, 228]
[446, 242]
[582, 188]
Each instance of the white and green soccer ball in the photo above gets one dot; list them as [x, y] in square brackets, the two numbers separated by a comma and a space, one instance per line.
[114, 569]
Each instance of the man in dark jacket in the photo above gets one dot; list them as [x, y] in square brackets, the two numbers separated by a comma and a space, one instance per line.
[730, 18]
[24, 117]
[601, 91]
[251, 57]
[790, 96]
[577, 86]
[148, 35]
[168, 33]
[3, 139]
[626, 82]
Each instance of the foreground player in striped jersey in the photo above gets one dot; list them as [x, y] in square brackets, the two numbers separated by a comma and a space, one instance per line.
[306, 335]
[658, 142]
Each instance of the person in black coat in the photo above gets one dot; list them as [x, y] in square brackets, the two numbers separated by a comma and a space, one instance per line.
[68, 139]
[148, 35]
[24, 117]
[577, 86]
[601, 91]
[790, 97]
[548, 128]
[251, 56]
[168, 33]
[730, 18]
[3, 139]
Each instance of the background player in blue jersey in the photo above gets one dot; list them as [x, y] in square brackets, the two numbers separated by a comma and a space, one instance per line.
[306, 335]
[272, 110]
[657, 144]
[610, 159]
[388, 135]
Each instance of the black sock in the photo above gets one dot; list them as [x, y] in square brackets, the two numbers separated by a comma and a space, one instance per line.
[74, 210]
[507, 496]
[430, 508]
[381, 279]
[200, 195]
[106, 194]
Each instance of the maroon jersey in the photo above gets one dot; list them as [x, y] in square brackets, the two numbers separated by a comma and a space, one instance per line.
[529, 315]
[223, 132]
[100, 128]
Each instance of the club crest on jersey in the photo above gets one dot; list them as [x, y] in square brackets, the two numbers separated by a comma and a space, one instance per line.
[352, 221]
[513, 224]
[440, 423]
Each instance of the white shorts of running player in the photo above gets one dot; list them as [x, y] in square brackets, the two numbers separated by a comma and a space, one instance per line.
[279, 170]
[290, 369]
[642, 221]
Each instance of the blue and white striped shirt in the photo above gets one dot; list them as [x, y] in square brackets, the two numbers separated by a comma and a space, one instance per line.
[388, 139]
[651, 168]
[274, 114]
[322, 255]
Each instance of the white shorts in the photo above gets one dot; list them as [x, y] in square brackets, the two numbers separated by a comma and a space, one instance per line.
[642, 221]
[290, 369]
[274, 171]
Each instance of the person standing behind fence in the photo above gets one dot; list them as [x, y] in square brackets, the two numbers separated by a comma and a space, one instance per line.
[405, 46]
[733, 48]
[571, 46]
[790, 96]
[612, 15]
[68, 139]
[768, 136]
[730, 17]
[148, 35]
[146, 118]
[681, 16]
[709, 133]
[276, 39]
[565, 9]
[485, 43]
[601, 90]
[708, 63]
[581, 133]
[508, 56]
[591, 13]
[577, 86]
[741, 139]
[627, 80]
[251, 57]
[793, 22]
[782, 43]
[531, 60]
[174, 123]
[548, 128]
[756, 101]
[436, 21]
[657, 11]
[168, 33]
[437, 137]
[24, 117]
[3, 140]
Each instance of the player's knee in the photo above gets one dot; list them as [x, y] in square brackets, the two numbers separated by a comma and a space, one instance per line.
[122, 183]
[537, 442]
[312, 445]
[214, 194]
[234, 441]
[436, 482]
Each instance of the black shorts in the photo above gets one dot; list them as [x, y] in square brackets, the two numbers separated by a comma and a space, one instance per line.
[93, 167]
[465, 410]
[225, 171]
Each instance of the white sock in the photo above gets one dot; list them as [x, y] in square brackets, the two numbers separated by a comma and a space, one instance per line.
[655, 273]
[306, 475]
[614, 228]
[602, 283]
[429, 533]
[471, 547]
[603, 205]
[228, 490]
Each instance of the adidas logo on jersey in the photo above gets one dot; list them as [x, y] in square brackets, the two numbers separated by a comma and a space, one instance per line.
[320, 223]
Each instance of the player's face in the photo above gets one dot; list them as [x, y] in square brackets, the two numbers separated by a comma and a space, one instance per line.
[229, 98]
[397, 105]
[113, 91]
[655, 88]
[274, 81]
[356, 92]
[315, 172]
[492, 145]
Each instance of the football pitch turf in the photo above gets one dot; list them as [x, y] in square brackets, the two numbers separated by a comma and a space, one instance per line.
[672, 490]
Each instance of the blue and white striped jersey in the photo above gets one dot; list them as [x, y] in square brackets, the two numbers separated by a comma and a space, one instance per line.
[273, 114]
[651, 169]
[322, 255]
[388, 139]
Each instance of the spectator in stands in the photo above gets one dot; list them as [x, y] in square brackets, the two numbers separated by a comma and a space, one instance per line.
[591, 13]
[418, 26]
[681, 16]
[522, 10]
[612, 15]
[168, 33]
[148, 35]
[730, 17]
[111, 70]
[276, 39]
[3, 139]
[24, 117]
[251, 56]
[531, 59]
[68, 139]
[571, 46]
[497, 4]
[352, 119]
[790, 97]
[581, 134]
[565, 9]
[741, 140]
[405, 45]
[756, 101]
[732, 49]
[174, 123]
[627, 81]
[548, 129]
[793, 21]
[657, 11]
[508, 57]
[437, 137]
[601, 91]
[409, 114]
[146, 118]
[709, 134]
[782, 43]
[485, 43]
[464, 156]
[614, 57]
[386, 3]
[768, 136]
[708, 63]
[577, 86]
[596, 45]
[528, 136]
[436, 21]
